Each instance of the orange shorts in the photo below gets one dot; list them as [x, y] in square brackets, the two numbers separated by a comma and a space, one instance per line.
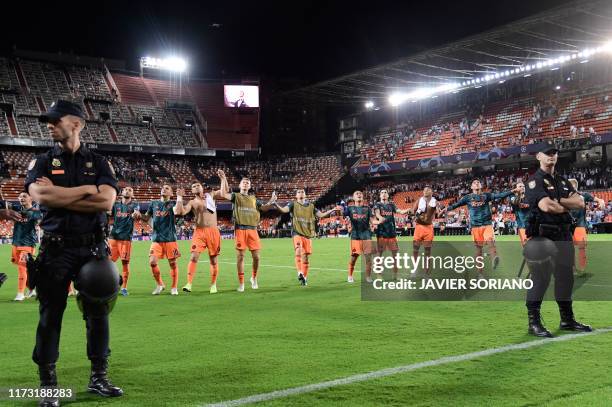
[423, 233]
[302, 242]
[387, 244]
[247, 239]
[120, 249]
[206, 238]
[165, 250]
[580, 235]
[362, 246]
[522, 235]
[20, 254]
[482, 234]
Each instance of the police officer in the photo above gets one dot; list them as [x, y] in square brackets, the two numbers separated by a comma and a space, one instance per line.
[551, 198]
[75, 188]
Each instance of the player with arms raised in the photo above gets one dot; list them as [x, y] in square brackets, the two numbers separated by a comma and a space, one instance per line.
[362, 219]
[386, 233]
[246, 215]
[424, 209]
[521, 210]
[206, 235]
[478, 204]
[304, 216]
[163, 244]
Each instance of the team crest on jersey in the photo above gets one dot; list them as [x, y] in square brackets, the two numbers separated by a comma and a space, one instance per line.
[531, 184]
[56, 162]
[32, 164]
[88, 164]
[547, 182]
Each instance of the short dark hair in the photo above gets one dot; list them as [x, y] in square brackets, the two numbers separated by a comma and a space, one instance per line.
[243, 178]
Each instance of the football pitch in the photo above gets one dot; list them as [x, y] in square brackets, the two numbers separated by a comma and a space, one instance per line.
[199, 348]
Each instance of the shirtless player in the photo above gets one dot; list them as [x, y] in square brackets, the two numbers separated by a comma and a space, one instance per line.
[206, 234]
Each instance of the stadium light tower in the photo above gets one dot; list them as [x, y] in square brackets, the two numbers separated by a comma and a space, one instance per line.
[172, 64]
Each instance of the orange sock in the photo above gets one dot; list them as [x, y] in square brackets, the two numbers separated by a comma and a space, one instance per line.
[22, 278]
[254, 273]
[305, 265]
[174, 275]
[191, 270]
[241, 277]
[351, 269]
[298, 263]
[157, 274]
[126, 274]
[214, 271]
[582, 258]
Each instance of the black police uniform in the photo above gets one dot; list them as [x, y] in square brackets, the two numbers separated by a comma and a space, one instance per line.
[558, 228]
[70, 240]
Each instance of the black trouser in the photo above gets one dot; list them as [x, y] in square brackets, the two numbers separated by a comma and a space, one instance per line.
[57, 268]
[562, 268]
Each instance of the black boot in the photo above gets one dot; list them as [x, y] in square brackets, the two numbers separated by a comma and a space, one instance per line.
[568, 323]
[48, 380]
[535, 325]
[99, 382]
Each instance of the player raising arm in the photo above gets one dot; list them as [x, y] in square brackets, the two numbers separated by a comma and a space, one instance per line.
[246, 215]
[386, 233]
[163, 239]
[362, 219]
[479, 207]
[206, 235]
[304, 216]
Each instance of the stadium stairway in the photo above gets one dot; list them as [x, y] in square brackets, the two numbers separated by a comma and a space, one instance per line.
[154, 132]
[156, 171]
[196, 172]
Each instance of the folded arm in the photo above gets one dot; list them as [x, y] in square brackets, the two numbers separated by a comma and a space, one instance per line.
[101, 202]
[574, 201]
[44, 192]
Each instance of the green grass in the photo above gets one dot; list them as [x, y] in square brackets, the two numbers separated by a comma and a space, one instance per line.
[201, 348]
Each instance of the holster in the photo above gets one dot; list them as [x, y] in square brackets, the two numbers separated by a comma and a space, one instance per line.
[33, 270]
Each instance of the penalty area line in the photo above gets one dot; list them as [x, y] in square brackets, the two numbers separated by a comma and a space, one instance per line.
[401, 369]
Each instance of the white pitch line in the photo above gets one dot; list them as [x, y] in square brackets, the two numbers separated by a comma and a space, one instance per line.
[280, 266]
[400, 369]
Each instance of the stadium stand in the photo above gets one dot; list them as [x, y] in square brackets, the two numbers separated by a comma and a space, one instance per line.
[89, 83]
[516, 122]
[8, 75]
[178, 112]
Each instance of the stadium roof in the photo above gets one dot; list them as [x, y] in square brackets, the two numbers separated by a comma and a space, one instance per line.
[560, 31]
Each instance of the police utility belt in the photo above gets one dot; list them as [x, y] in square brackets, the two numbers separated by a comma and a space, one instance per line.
[545, 230]
[72, 241]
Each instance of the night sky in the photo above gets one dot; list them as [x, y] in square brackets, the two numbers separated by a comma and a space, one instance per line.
[309, 40]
